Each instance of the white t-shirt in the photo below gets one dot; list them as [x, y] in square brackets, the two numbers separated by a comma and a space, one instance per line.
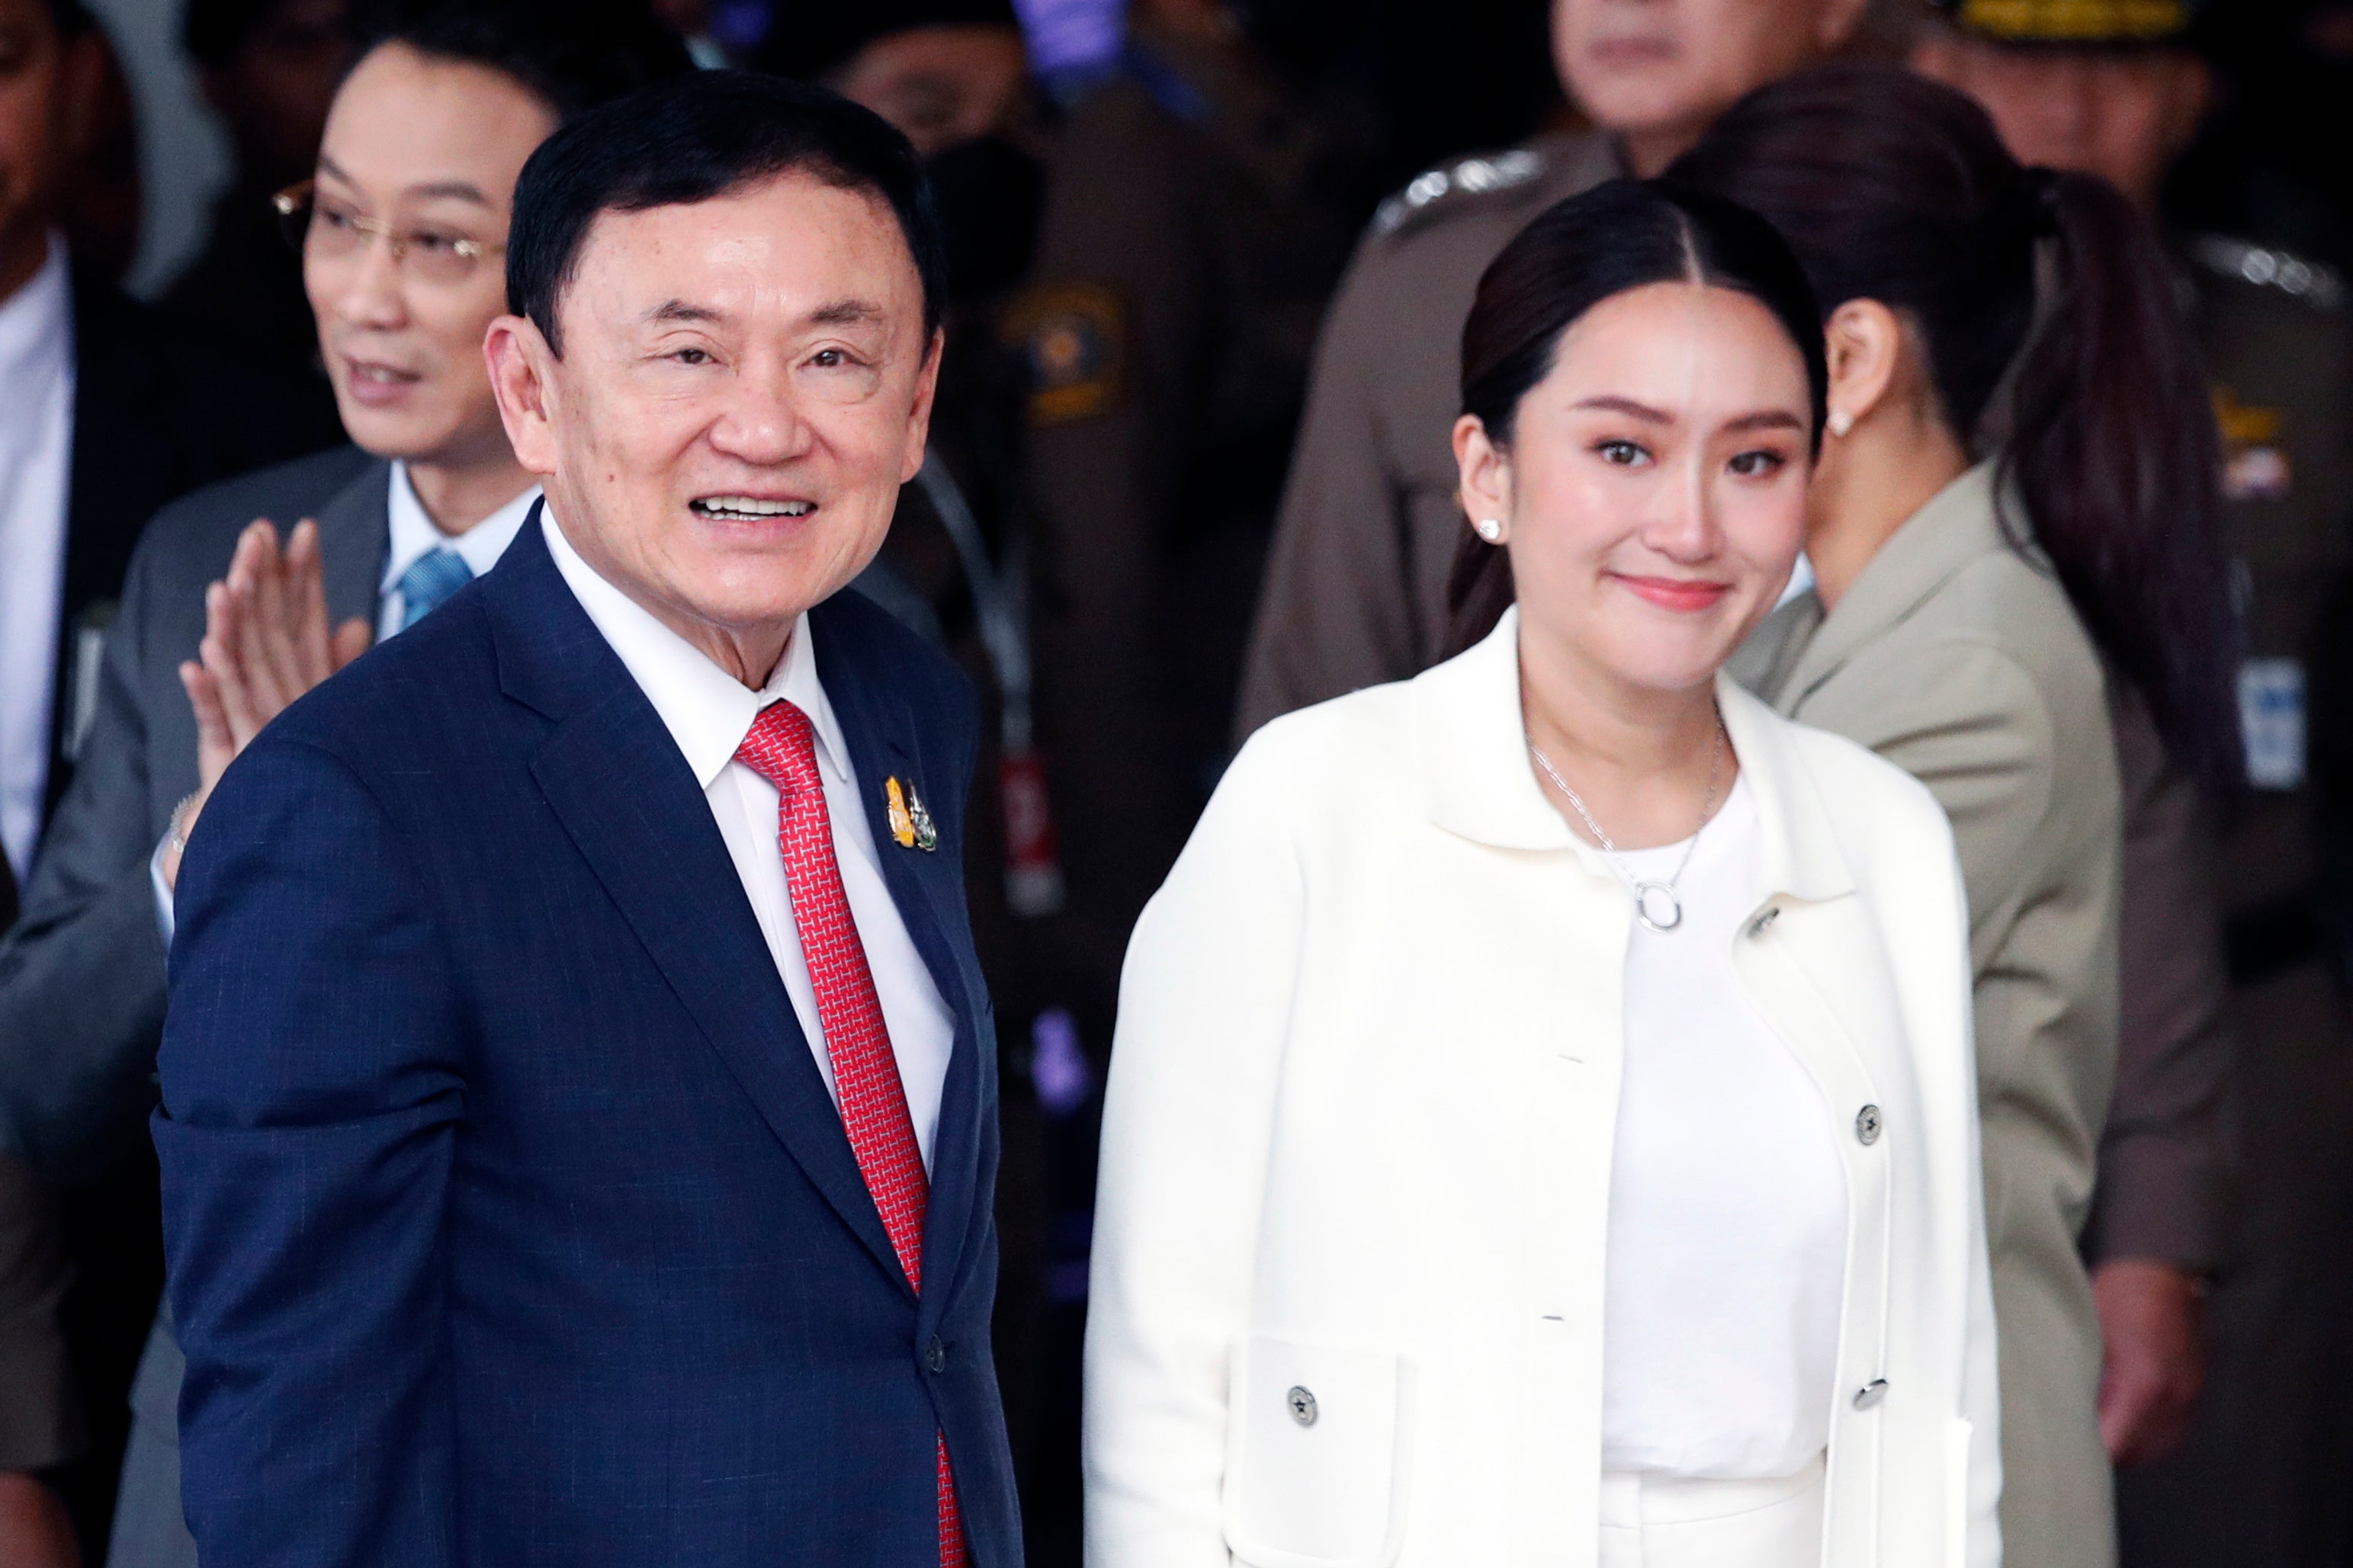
[1726, 1251]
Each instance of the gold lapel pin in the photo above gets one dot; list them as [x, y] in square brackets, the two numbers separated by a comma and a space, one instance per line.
[902, 823]
[910, 820]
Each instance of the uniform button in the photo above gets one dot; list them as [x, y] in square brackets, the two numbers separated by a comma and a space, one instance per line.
[1763, 921]
[1303, 1406]
[1871, 1394]
[1867, 1125]
[935, 1355]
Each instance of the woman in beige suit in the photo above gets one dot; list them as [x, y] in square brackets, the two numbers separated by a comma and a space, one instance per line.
[1541, 1126]
[1977, 621]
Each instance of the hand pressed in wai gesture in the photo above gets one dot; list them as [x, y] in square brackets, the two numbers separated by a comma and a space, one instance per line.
[266, 643]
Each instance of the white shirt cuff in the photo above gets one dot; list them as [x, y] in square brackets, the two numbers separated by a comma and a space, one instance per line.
[163, 921]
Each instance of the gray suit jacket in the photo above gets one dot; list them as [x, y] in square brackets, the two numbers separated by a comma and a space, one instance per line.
[81, 973]
[1957, 659]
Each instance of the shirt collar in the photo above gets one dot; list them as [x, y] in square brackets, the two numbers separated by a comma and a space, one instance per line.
[414, 536]
[1478, 786]
[707, 711]
[37, 326]
[1958, 525]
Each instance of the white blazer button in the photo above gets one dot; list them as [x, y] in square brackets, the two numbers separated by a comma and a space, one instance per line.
[1303, 1406]
[1763, 921]
[1871, 1394]
[1867, 1125]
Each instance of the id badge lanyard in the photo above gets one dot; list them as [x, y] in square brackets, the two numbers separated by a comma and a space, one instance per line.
[1033, 867]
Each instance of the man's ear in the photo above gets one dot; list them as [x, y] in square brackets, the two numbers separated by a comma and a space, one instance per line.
[1865, 340]
[522, 367]
[919, 418]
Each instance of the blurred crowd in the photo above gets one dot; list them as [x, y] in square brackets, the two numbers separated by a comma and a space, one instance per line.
[1209, 262]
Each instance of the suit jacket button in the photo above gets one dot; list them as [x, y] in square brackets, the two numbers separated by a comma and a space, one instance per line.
[1867, 1125]
[1871, 1394]
[935, 1355]
[1303, 1406]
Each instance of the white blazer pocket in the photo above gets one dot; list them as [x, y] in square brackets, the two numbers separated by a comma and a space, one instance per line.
[1317, 1447]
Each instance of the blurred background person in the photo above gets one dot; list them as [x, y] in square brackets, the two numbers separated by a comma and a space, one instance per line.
[1967, 619]
[1200, 203]
[99, 204]
[2268, 1475]
[1354, 590]
[1201, 189]
[108, 414]
[2270, 161]
[269, 68]
[400, 238]
[944, 72]
[954, 76]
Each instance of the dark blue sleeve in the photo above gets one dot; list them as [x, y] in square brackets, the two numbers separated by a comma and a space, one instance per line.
[312, 1086]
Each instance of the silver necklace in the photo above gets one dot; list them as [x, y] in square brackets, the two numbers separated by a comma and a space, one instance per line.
[1668, 912]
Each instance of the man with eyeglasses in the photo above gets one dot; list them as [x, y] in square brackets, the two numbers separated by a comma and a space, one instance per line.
[225, 619]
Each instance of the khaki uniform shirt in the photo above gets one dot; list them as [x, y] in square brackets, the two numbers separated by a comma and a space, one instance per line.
[1355, 583]
[1195, 223]
[1956, 659]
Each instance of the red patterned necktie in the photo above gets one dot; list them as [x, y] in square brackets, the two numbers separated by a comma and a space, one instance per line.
[782, 749]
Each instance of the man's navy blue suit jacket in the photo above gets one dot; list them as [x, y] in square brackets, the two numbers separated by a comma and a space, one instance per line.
[508, 1219]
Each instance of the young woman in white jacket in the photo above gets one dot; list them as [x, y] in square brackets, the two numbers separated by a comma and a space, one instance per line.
[1542, 1125]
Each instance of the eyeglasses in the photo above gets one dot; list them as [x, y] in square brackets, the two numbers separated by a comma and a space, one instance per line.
[330, 230]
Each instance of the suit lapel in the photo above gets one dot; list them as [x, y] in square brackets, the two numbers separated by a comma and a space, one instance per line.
[614, 777]
[125, 465]
[354, 534]
[885, 743]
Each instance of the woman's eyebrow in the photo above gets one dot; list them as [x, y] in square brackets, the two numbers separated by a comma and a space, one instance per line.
[1629, 407]
[1767, 419]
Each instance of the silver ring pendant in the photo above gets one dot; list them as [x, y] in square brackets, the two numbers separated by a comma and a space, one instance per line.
[1652, 919]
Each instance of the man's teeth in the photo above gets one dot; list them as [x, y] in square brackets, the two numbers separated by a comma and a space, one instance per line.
[752, 506]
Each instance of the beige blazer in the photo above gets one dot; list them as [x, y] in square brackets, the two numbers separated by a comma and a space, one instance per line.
[1358, 1140]
[1963, 663]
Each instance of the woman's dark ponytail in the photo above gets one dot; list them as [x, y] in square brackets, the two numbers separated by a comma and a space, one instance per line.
[1893, 188]
[2116, 458]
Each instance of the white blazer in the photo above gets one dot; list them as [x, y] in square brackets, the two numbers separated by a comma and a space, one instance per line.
[1347, 1292]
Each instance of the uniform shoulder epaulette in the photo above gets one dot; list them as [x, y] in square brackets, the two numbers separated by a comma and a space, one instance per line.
[2316, 283]
[1430, 190]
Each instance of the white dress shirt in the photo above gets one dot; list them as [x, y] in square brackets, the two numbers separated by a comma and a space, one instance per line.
[1726, 1258]
[36, 399]
[414, 535]
[708, 712]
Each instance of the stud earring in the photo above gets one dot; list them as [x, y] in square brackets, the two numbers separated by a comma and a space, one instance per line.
[1841, 422]
[1491, 529]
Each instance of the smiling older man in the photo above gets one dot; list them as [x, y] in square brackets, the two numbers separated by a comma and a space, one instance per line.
[579, 1094]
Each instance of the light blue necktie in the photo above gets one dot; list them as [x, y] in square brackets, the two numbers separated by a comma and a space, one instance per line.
[437, 575]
